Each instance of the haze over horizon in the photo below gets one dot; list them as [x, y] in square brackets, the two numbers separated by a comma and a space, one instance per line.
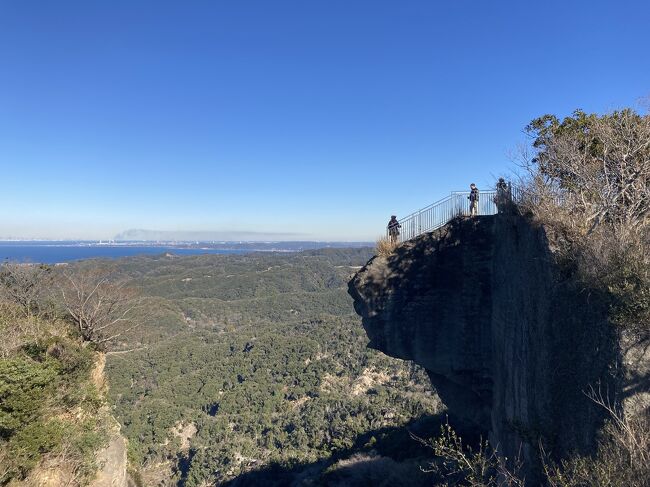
[211, 236]
[286, 117]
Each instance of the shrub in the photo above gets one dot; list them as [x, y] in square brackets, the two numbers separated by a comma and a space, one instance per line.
[457, 463]
[22, 392]
[28, 445]
[622, 458]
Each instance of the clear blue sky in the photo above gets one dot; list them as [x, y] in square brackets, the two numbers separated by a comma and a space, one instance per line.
[314, 117]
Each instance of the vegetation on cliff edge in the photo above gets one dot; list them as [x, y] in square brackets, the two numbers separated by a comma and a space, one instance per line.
[48, 402]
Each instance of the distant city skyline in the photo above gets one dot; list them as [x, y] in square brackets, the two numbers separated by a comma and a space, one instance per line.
[205, 236]
[318, 119]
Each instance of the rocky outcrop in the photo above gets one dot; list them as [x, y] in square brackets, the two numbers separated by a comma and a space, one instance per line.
[509, 340]
[112, 459]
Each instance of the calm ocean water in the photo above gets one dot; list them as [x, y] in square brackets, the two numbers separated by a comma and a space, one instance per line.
[55, 252]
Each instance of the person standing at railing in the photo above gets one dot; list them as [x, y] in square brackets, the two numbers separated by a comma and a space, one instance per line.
[473, 200]
[393, 228]
[502, 198]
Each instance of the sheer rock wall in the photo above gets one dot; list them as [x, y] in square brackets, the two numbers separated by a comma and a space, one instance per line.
[510, 342]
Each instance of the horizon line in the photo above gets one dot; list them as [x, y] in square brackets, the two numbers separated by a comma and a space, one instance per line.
[194, 241]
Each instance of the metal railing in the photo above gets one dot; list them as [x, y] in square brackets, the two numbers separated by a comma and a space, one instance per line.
[441, 212]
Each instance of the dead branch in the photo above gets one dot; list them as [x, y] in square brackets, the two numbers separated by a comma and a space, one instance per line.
[101, 306]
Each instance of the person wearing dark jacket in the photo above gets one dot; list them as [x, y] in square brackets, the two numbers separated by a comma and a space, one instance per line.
[502, 198]
[393, 228]
[473, 200]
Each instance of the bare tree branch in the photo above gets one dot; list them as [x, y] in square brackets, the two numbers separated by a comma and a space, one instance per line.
[25, 285]
[101, 306]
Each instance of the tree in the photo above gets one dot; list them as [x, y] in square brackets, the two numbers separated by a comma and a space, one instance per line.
[589, 179]
[598, 166]
[25, 285]
[101, 307]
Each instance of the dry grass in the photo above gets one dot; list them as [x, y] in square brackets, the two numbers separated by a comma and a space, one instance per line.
[385, 246]
[621, 461]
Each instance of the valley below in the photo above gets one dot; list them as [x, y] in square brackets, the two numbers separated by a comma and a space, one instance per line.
[253, 370]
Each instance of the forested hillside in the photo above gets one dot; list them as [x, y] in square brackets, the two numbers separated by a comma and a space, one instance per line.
[256, 363]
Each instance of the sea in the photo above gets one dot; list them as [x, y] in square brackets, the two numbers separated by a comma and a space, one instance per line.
[51, 252]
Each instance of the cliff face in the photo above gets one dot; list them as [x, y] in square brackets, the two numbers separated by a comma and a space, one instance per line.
[509, 342]
[112, 459]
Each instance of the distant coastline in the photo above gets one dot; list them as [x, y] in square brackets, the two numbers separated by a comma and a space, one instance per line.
[62, 251]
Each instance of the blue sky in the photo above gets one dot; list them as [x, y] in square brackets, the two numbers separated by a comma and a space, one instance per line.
[313, 117]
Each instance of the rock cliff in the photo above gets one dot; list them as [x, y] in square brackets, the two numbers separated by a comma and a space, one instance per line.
[509, 340]
[112, 459]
